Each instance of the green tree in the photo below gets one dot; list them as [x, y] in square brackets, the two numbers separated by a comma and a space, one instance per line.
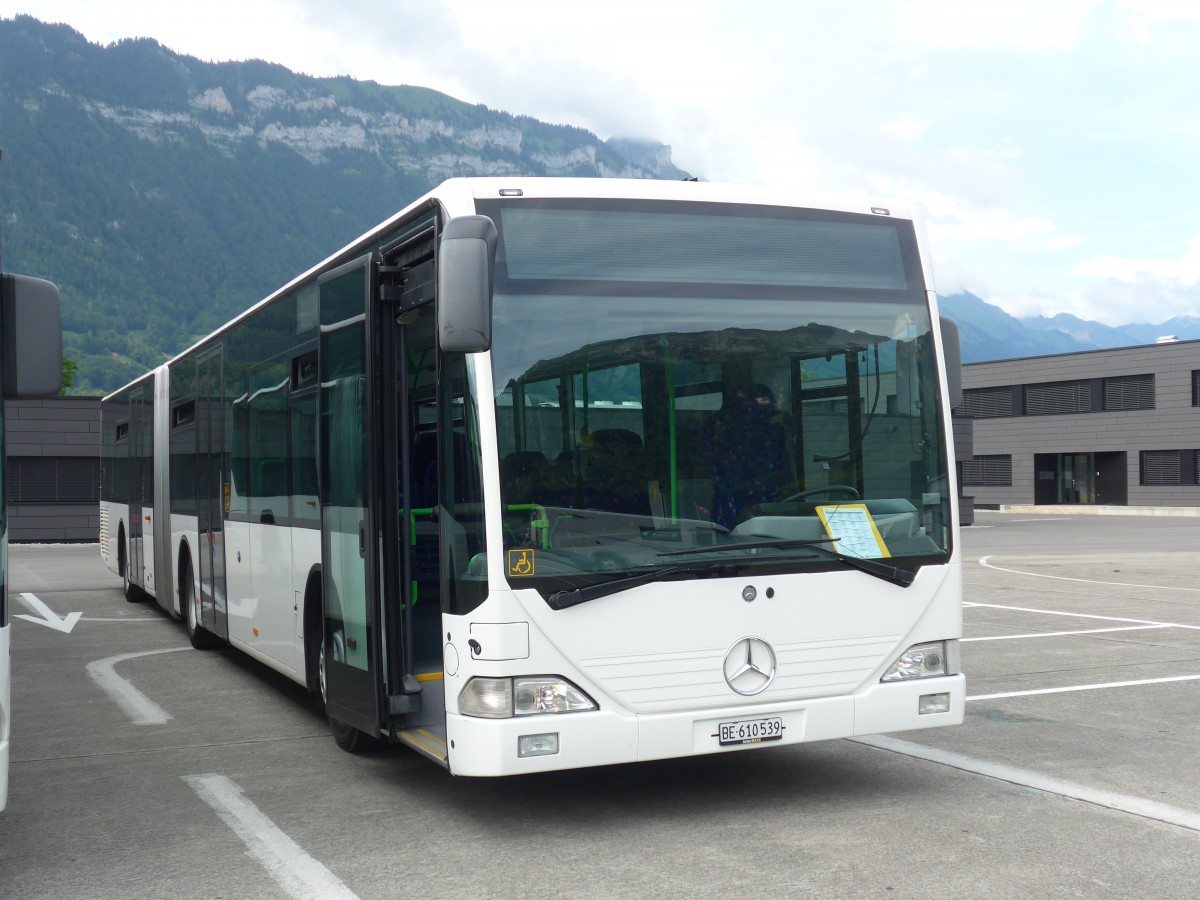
[69, 368]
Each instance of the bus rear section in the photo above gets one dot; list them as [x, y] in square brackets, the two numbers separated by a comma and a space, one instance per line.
[30, 367]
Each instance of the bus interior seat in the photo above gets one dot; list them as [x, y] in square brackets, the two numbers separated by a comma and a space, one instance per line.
[523, 475]
[424, 467]
[615, 472]
[421, 463]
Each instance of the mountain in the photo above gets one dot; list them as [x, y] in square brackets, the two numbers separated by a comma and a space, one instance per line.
[1186, 328]
[1091, 335]
[987, 332]
[165, 194]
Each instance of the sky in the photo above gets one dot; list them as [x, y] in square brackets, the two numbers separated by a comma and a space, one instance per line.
[1050, 147]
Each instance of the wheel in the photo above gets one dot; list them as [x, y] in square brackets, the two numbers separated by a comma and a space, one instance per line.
[132, 592]
[201, 638]
[349, 738]
[831, 489]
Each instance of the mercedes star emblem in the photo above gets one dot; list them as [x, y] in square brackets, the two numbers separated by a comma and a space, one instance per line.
[750, 666]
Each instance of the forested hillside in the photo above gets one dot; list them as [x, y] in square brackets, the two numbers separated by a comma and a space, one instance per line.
[165, 194]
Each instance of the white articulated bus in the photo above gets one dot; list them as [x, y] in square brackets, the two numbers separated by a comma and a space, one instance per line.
[30, 366]
[549, 473]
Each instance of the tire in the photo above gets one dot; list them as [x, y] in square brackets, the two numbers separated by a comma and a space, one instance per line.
[132, 592]
[201, 639]
[349, 738]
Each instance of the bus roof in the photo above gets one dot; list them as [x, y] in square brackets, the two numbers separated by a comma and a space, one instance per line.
[457, 196]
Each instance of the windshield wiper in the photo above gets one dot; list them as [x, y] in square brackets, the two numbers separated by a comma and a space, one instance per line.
[565, 599]
[902, 577]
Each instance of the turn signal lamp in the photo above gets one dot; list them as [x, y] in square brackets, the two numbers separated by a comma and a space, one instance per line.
[527, 695]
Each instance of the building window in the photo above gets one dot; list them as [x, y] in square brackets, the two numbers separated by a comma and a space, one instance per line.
[990, 471]
[986, 403]
[1195, 387]
[1161, 467]
[1132, 392]
[49, 479]
[1058, 397]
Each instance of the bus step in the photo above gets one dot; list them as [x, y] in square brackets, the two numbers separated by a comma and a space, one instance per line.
[428, 740]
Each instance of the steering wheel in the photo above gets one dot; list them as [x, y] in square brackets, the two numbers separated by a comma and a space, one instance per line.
[834, 489]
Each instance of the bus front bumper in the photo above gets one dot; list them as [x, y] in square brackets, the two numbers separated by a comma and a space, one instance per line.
[492, 747]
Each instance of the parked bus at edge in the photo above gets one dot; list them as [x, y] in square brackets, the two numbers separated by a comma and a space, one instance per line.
[31, 366]
[549, 473]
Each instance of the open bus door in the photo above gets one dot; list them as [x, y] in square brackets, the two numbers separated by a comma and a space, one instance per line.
[350, 651]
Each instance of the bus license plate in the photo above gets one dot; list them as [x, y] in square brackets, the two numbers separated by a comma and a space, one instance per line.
[750, 731]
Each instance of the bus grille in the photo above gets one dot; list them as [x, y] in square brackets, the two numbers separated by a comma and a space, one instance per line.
[691, 679]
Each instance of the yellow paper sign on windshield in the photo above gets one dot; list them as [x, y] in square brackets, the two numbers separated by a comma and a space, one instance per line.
[854, 531]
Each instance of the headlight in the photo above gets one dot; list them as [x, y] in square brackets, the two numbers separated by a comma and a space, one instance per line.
[919, 661]
[527, 695]
[548, 695]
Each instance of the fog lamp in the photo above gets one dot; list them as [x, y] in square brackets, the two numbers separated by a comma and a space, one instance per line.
[537, 744]
[933, 703]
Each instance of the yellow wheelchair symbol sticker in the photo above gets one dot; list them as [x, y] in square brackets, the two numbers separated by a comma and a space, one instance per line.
[520, 562]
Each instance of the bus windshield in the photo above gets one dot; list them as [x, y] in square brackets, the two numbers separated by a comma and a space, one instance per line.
[671, 377]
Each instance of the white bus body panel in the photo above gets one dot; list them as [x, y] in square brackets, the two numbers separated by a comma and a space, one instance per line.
[239, 587]
[306, 554]
[271, 578]
[652, 658]
[266, 571]
[160, 524]
[148, 545]
[114, 517]
[5, 701]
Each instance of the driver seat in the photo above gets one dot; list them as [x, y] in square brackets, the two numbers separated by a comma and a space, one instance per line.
[749, 462]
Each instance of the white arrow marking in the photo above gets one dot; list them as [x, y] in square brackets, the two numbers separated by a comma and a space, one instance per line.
[48, 617]
[295, 871]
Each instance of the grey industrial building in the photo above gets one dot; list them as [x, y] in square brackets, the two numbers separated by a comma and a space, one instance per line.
[1105, 427]
[53, 469]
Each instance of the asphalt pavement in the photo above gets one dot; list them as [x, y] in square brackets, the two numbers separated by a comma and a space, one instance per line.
[1074, 774]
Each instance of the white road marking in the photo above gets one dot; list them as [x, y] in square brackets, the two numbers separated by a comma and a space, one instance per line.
[1040, 634]
[140, 708]
[1075, 615]
[1137, 806]
[1085, 687]
[46, 616]
[983, 561]
[293, 869]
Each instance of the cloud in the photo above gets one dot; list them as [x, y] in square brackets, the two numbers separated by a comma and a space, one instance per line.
[1122, 303]
[1159, 12]
[951, 277]
[952, 220]
[1029, 25]
[1183, 271]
